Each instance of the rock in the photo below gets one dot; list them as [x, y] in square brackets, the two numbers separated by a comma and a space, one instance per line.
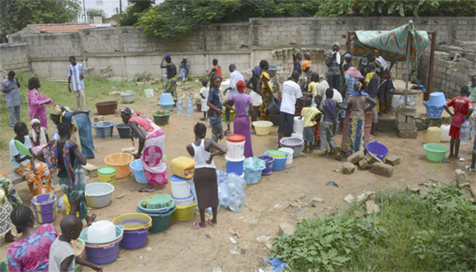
[90, 170]
[285, 228]
[349, 198]
[348, 168]
[317, 200]
[382, 169]
[392, 160]
[371, 207]
[356, 157]
[364, 196]
[371, 158]
[363, 164]
[413, 188]
[408, 134]
[461, 178]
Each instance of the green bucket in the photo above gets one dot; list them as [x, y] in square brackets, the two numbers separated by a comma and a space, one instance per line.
[435, 152]
[161, 117]
[160, 221]
[4, 266]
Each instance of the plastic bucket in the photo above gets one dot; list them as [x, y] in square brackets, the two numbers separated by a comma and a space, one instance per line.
[107, 174]
[433, 111]
[128, 97]
[437, 99]
[138, 171]
[134, 239]
[291, 154]
[185, 213]
[166, 99]
[104, 129]
[234, 165]
[236, 146]
[279, 163]
[124, 130]
[98, 194]
[269, 164]
[161, 222]
[273, 106]
[149, 93]
[180, 187]
[184, 201]
[262, 127]
[102, 254]
[435, 152]
[121, 162]
[253, 168]
[377, 149]
[44, 207]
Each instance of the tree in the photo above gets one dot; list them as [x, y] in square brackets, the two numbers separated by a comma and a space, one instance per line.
[134, 11]
[16, 14]
[97, 13]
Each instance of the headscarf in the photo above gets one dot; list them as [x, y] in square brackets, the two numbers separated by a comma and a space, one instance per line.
[128, 111]
[241, 86]
[306, 64]
[34, 135]
[35, 121]
[336, 44]
[354, 72]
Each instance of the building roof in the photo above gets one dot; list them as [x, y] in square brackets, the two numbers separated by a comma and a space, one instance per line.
[61, 28]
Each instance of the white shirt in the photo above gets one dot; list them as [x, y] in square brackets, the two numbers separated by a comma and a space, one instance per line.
[201, 156]
[75, 71]
[321, 88]
[235, 76]
[337, 96]
[381, 64]
[291, 92]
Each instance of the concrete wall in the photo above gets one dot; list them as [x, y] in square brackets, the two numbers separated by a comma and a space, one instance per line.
[127, 51]
[14, 57]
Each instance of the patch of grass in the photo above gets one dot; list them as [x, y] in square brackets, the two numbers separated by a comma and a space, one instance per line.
[431, 233]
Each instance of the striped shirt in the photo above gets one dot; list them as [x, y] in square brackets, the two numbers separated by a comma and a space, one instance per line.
[74, 71]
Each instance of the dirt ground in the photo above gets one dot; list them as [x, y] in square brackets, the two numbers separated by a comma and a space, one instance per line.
[184, 248]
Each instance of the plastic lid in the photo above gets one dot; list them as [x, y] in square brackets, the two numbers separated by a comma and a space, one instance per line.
[277, 154]
[236, 138]
[129, 91]
[160, 201]
[175, 178]
[107, 170]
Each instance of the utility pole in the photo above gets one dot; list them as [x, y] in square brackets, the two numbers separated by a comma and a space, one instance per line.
[84, 12]
[120, 6]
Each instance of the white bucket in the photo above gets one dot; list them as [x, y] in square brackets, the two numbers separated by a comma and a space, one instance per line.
[297, 135]
[149, 93]
[184, 201]
[181, 189]
[236, 150]
[291, 153]
[298, 126]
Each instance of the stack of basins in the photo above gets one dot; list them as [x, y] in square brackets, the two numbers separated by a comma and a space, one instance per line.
[434, 106]
[136, 226]
[102, 240]
[166, 102]
[235, 154]
[181, 181]
[160, 207]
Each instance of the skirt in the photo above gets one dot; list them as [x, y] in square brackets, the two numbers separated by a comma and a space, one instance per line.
[77, 191]
[242, 126]
[205, 180]
[153, 159]
[5, 221]
[39, 181]
[355, 140]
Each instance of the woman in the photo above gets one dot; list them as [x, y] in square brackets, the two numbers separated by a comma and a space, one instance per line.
[241, 123]
[38, 136]
[36, 174]
[256, 99]
[37, 102]
[205, 177]
[64, 155]
[8, 200]
[151, 148]
[32, 249]
[215, 108]
[266, 88]
[357, 107]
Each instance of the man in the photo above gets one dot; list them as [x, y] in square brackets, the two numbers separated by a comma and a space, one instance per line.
[75, 75]
[382, 68]
[333, 62]
[371, 87]
[171, 86]
[216, 68]
[184, 68]
[12, 97]
[472, 91]
[235, 76]
[291, 92]
[255, 93]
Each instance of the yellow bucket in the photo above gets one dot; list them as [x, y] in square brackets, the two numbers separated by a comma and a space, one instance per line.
[107, 174]
[184, 213]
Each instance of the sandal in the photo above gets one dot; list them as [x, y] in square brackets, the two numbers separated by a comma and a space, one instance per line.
[197, 225]
[210, 222]
[146, 190]
[91, 219]
[468, 167]
[461, 159]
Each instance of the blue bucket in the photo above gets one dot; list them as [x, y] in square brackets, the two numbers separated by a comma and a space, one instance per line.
[279, 163]
[139, 175]
[234, 166]
[104, 129]
[437, 99]
[269, 164]
[433, 111]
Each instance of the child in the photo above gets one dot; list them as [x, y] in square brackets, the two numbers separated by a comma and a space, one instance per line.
[37, 102]
[216, 68]
[472, 167]
[306, 65]
[62, 255]
[205, 176]
[329, 108]
[462, 109]
[216, 108]
[204, 95]
[311, 115]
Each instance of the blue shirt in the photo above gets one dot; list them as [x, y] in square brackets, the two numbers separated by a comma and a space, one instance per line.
[12, 98]
[350, 85]
[214, 97]
[329, 107]
[14, 151]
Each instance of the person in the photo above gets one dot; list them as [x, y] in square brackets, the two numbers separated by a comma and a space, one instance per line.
[216, 108]
[75, 74]
[204, 96]
[10, 88]
[311, 115]
[291, 92]
[37, 102]
[472, 93]
[62, 256]
[462, 108]
[8, 201]
[297, 60]
[329, 108]
[356, 105]
[30, 252]
[38, 136]
[171, 86]
[151, 147]
[235, 76]
[241, 124]
[385, 83]
[256, 97]
[313, 90]
[64, 155]
[351, 76]
[216, 69]
[333, 62]
[266, 88]
[36, 174]
[472, 167]
[371, 88]
[322, 87]
[302, 82]
[347, 58]
[314, 82]
[183, 69]
[306, 65]
[205, 177]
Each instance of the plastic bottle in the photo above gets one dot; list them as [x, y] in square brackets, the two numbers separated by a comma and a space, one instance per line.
[223, 195]
[189, 107]
[179, 105]
[60, 204]
[412, 103]
[465, 133]
[236, 203]
[164, 78]
[237, 180]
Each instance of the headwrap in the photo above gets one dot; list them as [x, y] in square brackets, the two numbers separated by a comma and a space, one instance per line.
[306, 64]
[241, 86]
[354, 72]
[168, 55]
[128, 111]
[347, 56]
[336, 44]
[35, 121]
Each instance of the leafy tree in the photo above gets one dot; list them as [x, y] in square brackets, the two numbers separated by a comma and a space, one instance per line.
[97, 13]
[16, 14]
[134, 11]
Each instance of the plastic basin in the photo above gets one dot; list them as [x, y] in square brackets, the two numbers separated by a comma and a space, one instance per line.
[98, 194]
[160, 222]
[377, 149]
[185, 213]
[279, 163]
[435, 152]
[44, 207]
[262, 128]
[103, 254]
[291, 142]
[138, 171]
[184, 201]
[437, 99]
[104, 129]
[433, 111]
[161, 117]
[106, 107]
[128, 97]
[121, 162]
[166, 99]
[291, 153]
[133, 221]
[134, 239]
[272, 70]
[273, 106]
[124, 130]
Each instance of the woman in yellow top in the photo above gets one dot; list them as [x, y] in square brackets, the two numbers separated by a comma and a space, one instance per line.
[266, 88]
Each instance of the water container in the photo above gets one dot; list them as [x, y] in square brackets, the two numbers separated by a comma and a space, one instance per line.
[189, 107]
[298, 125]
[164, 78]
[179, 105]
[465, 132]
[236, 203]
[397, 100]
[236, 180]
[445, 133]
[223, 194]
[101, 231]
[433, 135]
